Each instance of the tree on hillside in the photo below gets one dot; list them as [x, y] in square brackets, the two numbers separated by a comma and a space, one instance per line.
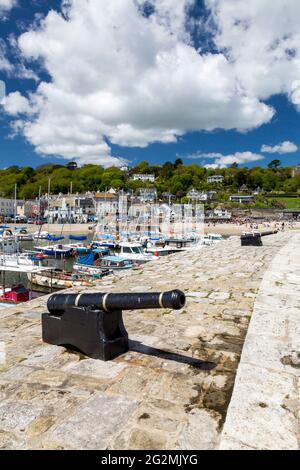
[167, 170]
[142, 167]
[178, 162]
[274, 164]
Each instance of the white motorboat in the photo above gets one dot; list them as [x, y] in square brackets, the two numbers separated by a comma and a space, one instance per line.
[42, 235]
[158, 247]
[22, 235]
[215, 237]
[134, 252]
[211, 239]
[16, 260]
[9, 246]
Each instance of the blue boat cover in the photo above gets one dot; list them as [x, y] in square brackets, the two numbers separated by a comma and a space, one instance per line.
[55, 239]
[87, 260]
[79, 238]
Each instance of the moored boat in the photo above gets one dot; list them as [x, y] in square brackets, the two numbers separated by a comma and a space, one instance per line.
[91, 264]
[79, 248]
[9, 246]
[133, 252]
[211, 239]
[116, 263]
[56, 251]
[58, 279]
[22, 235]
[158, 247]
[14, 295]
[16, 260]
[41, 235]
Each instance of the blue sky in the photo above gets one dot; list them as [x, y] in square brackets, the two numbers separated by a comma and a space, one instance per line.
[107, 120]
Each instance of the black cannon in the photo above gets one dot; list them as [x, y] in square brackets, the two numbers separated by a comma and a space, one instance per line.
[93, 323]
[254, 238]
[251, 239]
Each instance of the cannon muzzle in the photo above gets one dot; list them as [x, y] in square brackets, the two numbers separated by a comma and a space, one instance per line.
[58, 303]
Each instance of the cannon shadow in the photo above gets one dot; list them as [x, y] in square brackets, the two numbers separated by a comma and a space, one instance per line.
[137, 346]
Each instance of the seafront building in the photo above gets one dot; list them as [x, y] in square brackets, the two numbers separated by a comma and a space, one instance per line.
[32, 208]
[79, 208]
[7, 207]
[105, 201]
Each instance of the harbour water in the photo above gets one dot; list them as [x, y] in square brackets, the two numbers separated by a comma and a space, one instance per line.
[65, 264]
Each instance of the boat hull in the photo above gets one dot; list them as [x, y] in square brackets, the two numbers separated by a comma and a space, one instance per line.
[92, 271]
[56, 252]
[58, 281]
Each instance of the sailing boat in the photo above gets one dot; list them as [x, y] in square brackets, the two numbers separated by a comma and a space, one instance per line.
[79, 248]
[58, 251]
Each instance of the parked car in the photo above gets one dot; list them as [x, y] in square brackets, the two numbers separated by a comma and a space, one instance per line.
[21, 219]
[30, 220]
[39, 222]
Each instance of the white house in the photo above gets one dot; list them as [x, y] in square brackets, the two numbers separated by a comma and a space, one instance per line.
[215, 179]
[195, 195]
[7, 207]
[140, 177]
[257, 191]
[241, 199]
[70, 208]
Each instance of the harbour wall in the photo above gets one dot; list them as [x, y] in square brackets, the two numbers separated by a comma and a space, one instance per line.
[171, 390]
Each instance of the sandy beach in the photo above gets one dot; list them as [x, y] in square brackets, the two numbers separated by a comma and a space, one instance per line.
[226, 229]
[230, 229]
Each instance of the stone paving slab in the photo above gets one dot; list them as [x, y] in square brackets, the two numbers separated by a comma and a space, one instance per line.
[265, 405]
[171, 390]
[104, 414]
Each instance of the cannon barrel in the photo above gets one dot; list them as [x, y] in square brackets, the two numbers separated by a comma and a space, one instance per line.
[270, 232]
[109, 302]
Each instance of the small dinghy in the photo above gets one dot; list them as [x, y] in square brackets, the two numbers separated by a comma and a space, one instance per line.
[58, 279]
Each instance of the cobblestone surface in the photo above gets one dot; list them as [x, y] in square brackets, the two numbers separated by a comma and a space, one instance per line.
[170, 391]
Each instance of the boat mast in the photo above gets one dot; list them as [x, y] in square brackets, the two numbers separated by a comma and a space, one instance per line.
[40, 193]
[15, 204]
[40, 210]
[48, 202]
[70, 206]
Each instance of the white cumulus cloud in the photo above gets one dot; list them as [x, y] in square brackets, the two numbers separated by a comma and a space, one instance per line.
[222, 161]
[261, 38]
[16, 104]
[6, 5]
[282, 148]
[123, 77]
[5, 65]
